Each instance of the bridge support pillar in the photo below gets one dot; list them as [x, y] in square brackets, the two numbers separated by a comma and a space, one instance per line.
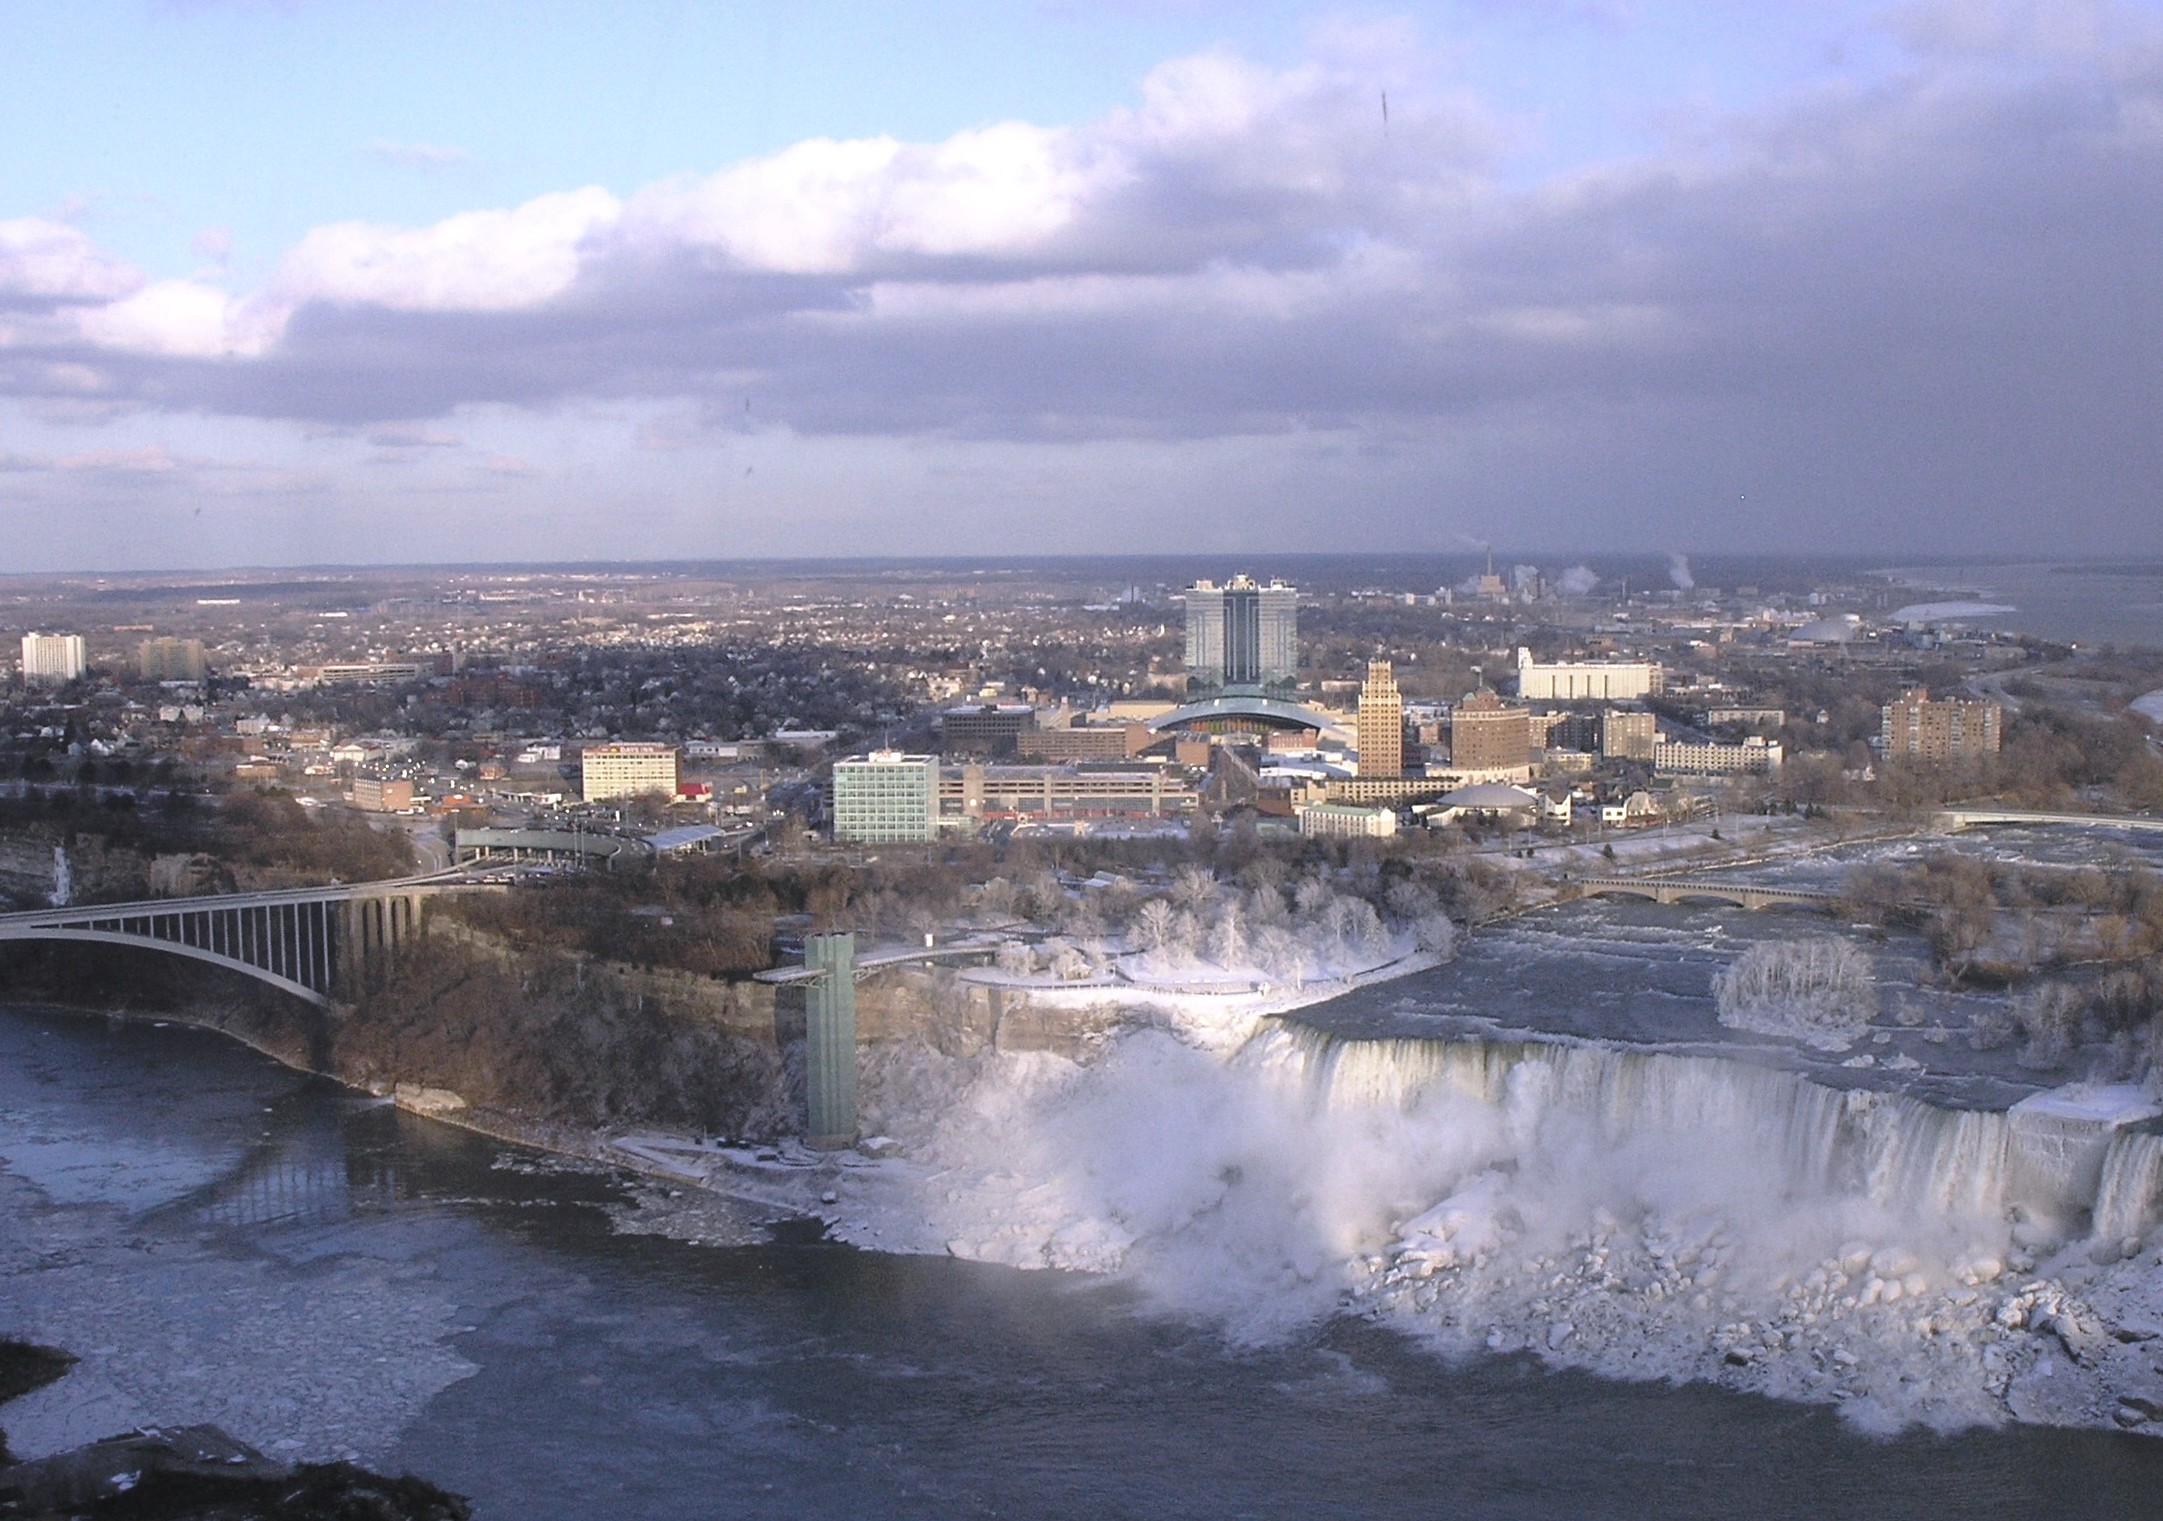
[830, 1041]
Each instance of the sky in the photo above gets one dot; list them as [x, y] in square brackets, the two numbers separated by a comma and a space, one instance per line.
[393, 281]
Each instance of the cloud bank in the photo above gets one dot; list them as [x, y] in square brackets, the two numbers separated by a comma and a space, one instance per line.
[1931, 292]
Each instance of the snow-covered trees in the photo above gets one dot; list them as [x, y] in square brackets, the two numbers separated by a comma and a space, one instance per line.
[1817, 989]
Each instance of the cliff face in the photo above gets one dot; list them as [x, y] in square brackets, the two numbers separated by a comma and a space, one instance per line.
[563, 1040]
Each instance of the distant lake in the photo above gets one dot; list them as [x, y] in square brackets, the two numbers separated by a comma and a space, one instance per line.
[2086, 603]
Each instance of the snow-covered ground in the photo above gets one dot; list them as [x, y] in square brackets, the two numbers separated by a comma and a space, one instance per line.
[2150, 706]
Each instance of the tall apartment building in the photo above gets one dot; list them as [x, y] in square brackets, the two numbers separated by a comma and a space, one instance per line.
[170, 660]
[1913, 726]
[886, 798]
[1489, 735]
[1242, 634]
[1588, 680]
[1626, 735]
[53, 658]
[608, 772]
[1381, 722]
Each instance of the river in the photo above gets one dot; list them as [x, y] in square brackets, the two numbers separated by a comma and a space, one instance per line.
[225, 1240]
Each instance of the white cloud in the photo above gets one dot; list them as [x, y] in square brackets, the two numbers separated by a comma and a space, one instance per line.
[51, 262]
[419, 155]
[479, 261]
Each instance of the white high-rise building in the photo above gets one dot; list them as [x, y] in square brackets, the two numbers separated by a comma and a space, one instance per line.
[886, 798]
[53, 657]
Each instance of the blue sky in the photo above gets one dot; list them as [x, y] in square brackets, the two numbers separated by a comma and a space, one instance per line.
[711, 273]
[155, 121]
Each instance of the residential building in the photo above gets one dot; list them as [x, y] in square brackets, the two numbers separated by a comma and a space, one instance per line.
[886, 798]
[1627, 734]
[1914, 726]
[1242, 634]
[53, 658]
[1381, 722]
[169, 659]
[1345, 821]
[1588, 680]
[1488, 735]
[1746, 718]
[608, 772]
[1755, 756]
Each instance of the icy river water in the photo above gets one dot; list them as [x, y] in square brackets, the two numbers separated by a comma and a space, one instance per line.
[223, 1240]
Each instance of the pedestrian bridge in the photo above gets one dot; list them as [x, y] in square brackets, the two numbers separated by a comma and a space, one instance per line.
[312, 942]
[1956, 819]
[1702, 890]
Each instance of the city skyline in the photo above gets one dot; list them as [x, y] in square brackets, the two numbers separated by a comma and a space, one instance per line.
[331, 284]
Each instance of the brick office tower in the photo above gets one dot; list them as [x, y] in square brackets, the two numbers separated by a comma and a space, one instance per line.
[1381, 723]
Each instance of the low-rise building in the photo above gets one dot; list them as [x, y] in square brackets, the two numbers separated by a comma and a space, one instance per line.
[374, 794]
[968, 794]
[1753, 757]
[1347, 821]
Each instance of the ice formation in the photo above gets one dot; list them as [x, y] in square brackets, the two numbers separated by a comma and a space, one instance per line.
[1636, 1212]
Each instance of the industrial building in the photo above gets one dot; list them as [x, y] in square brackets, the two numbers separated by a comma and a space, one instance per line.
[1588, 680]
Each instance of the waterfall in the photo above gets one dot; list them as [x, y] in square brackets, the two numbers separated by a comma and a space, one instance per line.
[2051, 1160]
[63, 893]
[2130, 1196]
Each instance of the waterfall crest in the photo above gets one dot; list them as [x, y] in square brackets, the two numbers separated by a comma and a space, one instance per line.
[2055, 1164]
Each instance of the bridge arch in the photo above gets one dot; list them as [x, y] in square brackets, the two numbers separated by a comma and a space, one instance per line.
[26, 933]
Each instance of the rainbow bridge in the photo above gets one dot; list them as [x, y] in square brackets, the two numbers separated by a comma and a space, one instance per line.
[312, 942]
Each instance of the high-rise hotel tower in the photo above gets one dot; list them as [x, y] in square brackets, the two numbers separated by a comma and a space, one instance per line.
[1242, 634]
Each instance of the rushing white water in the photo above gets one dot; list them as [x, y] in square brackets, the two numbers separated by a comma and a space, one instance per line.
[1642, 1213]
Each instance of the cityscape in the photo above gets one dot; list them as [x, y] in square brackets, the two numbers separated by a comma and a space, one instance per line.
[1081, 760]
